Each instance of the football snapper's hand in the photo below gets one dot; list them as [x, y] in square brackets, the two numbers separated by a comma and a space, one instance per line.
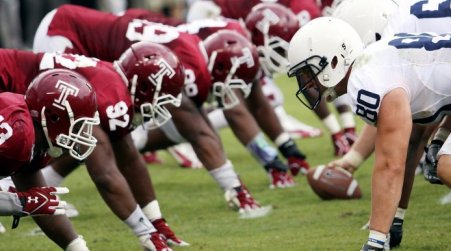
[342, 163]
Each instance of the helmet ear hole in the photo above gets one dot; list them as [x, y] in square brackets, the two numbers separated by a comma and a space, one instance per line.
[219, 67]
[150, 56]
[54, 118]
[144, 87]
[378, 36]
[231, 42]
[334, 62]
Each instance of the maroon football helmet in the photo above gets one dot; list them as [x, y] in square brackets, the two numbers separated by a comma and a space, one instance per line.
[64, 103]
[155, 77]
[233, 64]
[272, 26]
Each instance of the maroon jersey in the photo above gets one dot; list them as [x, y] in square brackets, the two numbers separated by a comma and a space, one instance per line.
[236, 9]
[17, 70]
[204, 28]
[114, 102]
[152, 16]
[304, 9]
[17, 136]
[106, 36]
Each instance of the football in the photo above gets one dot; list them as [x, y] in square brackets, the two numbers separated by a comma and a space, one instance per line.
[333, 183]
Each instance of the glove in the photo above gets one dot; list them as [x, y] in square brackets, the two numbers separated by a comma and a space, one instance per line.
[396, 232]
[41, 201]
[430, 163]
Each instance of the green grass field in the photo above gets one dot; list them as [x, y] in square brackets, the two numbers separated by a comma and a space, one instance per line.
[195, 208]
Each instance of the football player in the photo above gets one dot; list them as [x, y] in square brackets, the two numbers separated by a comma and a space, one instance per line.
[116, 109]
[56, 115]
[271, 41]
[86, 31]
[373, 20]
[213, 31]
[328, 60]
[305, 10]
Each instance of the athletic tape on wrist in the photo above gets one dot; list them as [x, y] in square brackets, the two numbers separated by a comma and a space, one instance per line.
[354, 158]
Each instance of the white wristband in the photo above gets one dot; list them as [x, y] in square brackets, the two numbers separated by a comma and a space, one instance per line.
[354, 158]
[282, 139]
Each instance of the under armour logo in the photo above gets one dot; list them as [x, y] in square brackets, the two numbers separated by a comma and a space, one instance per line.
[269, 18]
[245, 59]
[165, 70]
[31, 199]
[66, 90]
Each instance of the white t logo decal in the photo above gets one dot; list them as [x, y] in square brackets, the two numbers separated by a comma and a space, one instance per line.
[245, 59]
[269, 18]
[66, 90]
[165, 70]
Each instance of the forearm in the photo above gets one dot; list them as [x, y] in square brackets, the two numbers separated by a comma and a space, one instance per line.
[387, 182]
[134, 169]
[9, 204]
[365, 142]
[208, 149]
[242, 124]
[264, 113]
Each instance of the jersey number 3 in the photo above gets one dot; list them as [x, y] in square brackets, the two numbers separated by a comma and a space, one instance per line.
[5, 131]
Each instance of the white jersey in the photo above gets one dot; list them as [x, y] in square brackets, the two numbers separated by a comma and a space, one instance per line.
[419, 64]
[414, 16]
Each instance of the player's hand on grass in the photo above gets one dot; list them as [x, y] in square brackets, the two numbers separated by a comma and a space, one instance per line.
[430, 163]
[42, 201]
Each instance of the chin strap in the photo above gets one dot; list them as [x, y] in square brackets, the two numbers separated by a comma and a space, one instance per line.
[330, 94]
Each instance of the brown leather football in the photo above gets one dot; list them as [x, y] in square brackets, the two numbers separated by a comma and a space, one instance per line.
[333, 183]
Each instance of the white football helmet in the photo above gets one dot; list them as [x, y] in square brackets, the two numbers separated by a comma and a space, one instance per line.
[201, 10]
[368, 17]
[322, 51]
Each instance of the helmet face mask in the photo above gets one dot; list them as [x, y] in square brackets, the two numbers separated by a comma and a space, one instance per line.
[80, 141]
[64, 104]
[224, 93]
[156, 114]
[274, 55]
[306, 73]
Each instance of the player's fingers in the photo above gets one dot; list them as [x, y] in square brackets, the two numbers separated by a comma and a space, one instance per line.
[62, 204]
[59, 211]
[60, 190]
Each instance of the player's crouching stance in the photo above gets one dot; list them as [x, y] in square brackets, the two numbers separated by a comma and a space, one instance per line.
[388, 88]
[56, 114]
